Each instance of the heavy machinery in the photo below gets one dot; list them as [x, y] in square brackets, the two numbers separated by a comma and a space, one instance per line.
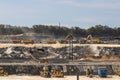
[51, 41]
[45, 72]
[29, 41]
[66, 39]
[89, 39]
[116, 69]
[102, 72]
[3, 72]
[49, 71]
[16, 41]
[57, 73]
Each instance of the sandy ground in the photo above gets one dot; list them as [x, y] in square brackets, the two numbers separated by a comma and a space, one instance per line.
[58, 45]
[14, 77]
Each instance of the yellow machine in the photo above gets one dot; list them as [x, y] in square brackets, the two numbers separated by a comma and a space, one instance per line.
[116, 69]
[96, 40]
[91, 40]
[118, 73]
[46, 72]
[58, 74]
[28, 41]
[51, 41]
[3, 72]
[67, 39]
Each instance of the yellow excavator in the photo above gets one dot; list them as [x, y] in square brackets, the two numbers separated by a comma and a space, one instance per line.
[91, 40]
[66, 39]
[3, 72]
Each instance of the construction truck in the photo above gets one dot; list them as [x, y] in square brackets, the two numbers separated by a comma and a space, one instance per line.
[48, 71]
[51, 41]
[16, 41]
[29, 41]
[3, 72]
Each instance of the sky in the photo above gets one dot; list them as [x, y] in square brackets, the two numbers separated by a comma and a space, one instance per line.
[70, 13]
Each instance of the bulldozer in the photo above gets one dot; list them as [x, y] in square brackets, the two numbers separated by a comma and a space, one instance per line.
[3, 72]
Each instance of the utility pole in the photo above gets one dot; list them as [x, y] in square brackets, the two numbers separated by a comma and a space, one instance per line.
[59, 24]
[72, 49]
[77, 71]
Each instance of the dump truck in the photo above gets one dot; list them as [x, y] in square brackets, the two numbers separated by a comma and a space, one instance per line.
[51, 41]
[15, 41]
[28, 41]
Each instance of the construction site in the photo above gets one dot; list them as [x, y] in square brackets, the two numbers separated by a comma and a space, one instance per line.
[65, 59]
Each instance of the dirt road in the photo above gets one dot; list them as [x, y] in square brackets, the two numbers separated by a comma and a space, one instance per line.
[14, 77]
[58, 45]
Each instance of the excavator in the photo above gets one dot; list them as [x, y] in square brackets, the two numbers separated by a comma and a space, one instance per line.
[67, 39]
[91, 40]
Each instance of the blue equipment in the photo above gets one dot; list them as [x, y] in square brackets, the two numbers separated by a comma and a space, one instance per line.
[102, 72]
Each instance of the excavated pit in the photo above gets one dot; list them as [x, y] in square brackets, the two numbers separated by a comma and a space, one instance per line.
[64, 55]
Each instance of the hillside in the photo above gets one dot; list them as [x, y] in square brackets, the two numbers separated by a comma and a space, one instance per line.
[61, 31]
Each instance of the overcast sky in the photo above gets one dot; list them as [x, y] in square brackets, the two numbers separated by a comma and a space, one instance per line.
[82, 13]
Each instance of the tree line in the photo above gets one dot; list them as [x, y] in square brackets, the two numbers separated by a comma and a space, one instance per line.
[60, 31]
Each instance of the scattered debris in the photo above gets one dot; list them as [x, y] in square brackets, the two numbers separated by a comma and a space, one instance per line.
[76, 53]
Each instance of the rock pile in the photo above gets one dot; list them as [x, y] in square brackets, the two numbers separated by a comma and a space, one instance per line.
[51, 53]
